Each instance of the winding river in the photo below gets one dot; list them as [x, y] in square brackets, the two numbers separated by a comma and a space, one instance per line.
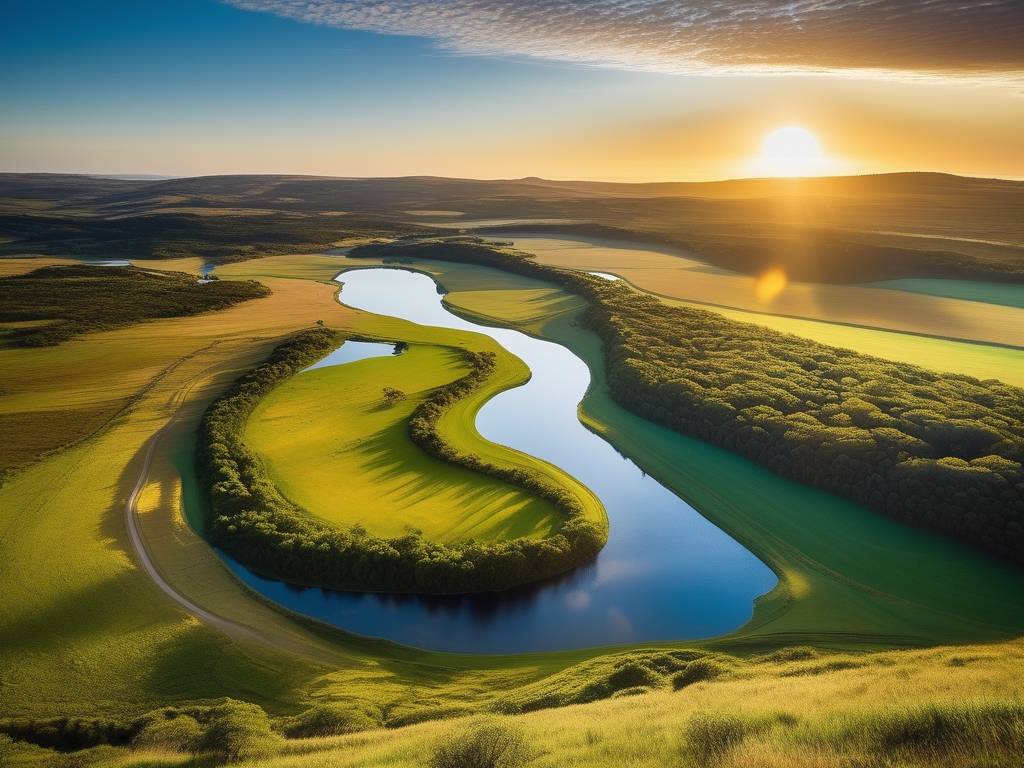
[665, 574]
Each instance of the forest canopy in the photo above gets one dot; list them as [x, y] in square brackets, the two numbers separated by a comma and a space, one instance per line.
[76, 299]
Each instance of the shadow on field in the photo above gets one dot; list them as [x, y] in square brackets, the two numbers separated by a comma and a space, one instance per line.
[75, 614]
[199, 663]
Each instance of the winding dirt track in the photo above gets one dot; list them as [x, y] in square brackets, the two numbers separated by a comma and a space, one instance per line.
[142, 555]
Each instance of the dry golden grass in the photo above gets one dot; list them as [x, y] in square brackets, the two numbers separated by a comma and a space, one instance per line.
[680, 277]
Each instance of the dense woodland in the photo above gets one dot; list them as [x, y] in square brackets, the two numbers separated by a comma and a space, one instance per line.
[941, 451]
[218, 237]
[77, 299]
[254, 523]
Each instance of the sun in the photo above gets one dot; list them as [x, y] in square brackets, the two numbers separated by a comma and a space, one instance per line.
[791, 150]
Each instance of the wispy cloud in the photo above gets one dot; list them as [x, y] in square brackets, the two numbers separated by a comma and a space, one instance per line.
[930, 37]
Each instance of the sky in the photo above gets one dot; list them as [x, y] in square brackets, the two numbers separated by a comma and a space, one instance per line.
[621, 90]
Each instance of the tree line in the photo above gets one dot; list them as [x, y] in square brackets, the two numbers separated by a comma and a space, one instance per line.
[254, 523]
[938, 450]
[78, 299]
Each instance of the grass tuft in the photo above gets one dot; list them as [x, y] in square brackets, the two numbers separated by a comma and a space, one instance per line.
[698, 671]
[948, 727]
[491, 744]
[331, 720]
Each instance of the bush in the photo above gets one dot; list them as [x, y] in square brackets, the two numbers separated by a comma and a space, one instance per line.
[792, 653]
[710, 736]
[330, 720]
[176, 734]
[996, 726]
[632, 675]
[237, 731]
[698, 671]
[489, 745]
[67, 734]
[393, 396]
[635, 690]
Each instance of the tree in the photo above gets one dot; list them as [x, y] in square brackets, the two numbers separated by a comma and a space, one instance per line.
[393, 396]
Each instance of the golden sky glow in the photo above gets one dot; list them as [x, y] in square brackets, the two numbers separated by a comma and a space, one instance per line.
[792, 150]
[400, 88]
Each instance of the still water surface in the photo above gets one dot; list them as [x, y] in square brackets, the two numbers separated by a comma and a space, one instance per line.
[665, 574]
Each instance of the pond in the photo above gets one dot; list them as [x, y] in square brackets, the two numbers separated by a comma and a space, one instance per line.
[666, 573]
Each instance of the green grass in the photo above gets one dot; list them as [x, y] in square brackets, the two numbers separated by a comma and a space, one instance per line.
[84, 632]
[332, 446]
[921, 709]
[983, 361]
[1007, 294]
[675, 274]
[848, 574]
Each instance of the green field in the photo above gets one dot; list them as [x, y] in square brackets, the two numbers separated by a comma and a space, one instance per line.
[685, 275]
[1007, 294]
[334, 448]
[85, 632]
[916, 587]
[982, 361]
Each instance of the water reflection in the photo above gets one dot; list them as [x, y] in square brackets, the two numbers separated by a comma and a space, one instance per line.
[351, 351]
[666, 572]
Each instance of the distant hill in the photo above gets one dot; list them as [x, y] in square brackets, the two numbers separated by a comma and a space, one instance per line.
[841, 229]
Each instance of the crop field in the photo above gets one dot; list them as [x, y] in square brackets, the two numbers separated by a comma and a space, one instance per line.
[676, 275]
[972, 290]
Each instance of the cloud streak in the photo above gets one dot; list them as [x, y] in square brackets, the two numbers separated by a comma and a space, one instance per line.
[929, 37]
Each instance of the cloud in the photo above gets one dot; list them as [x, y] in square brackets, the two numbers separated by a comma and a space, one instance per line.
[930, 37]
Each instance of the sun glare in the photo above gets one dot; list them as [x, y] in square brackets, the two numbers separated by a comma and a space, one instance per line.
[769, 285]
[792, 151]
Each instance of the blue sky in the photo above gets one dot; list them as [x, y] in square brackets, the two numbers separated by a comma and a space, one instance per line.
[198, 86]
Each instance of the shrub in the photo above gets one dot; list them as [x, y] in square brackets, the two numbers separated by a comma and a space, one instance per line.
[940, 727]
[632, 675]
[393, 396]
[792, 653]
[177, 734]
[67, 734]
[237, 731]
[710, 736]
[698, 671]
[488, 745]
[330, 720]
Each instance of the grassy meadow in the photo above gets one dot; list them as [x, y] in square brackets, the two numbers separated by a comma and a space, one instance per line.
[798, 709]
[1007, 294]
[85, 632]
[677, 274]
[333, 446]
